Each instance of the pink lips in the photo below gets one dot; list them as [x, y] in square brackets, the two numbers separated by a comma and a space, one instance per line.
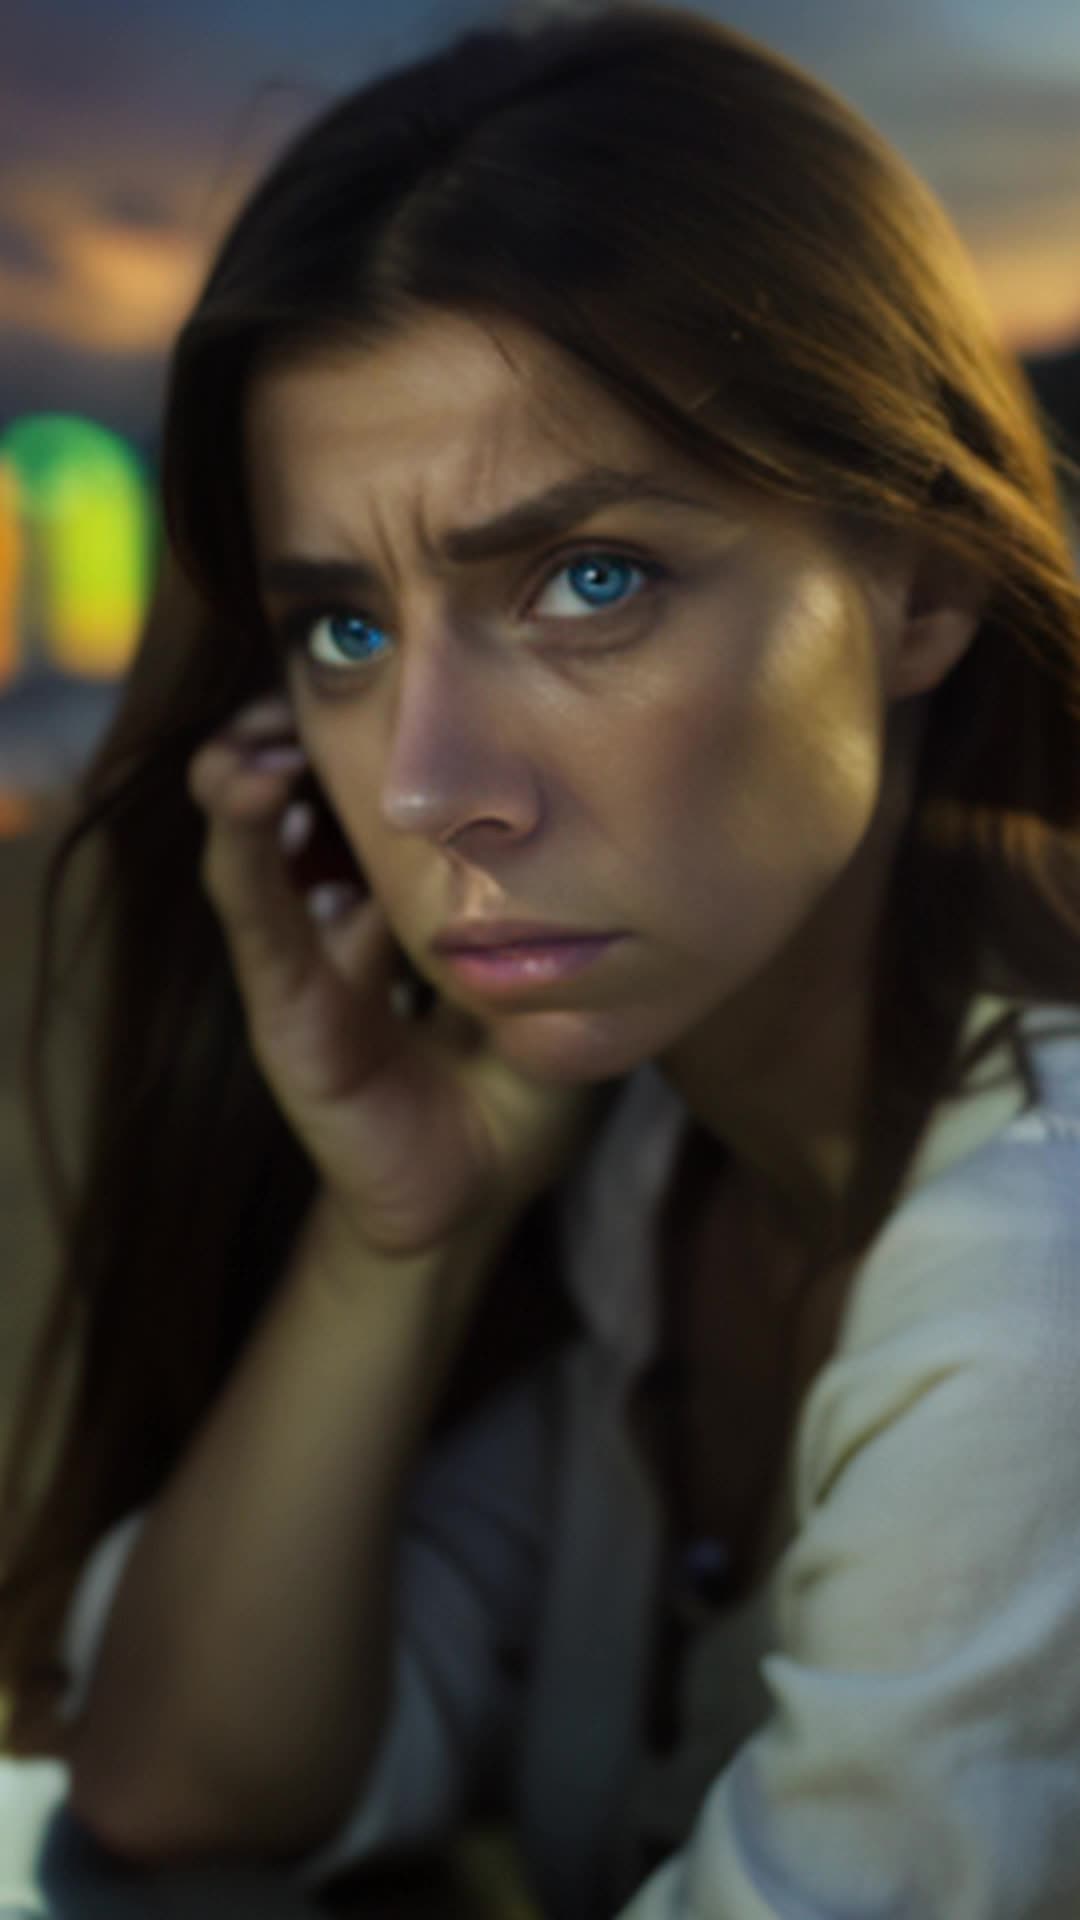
[508, 933]
[525, 963]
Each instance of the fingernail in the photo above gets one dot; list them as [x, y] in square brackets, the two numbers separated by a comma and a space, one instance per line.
[277, 759]
[260, 713]
[332, 900]
[296, 827]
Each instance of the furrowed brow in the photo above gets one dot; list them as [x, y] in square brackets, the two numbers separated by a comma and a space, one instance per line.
[557, 509]
[542, 517]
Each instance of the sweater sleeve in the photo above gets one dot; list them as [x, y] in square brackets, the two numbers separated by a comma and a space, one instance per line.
[469, 1582]
[921, 1756]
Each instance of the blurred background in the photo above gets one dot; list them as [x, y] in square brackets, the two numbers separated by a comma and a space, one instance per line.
[129, 131]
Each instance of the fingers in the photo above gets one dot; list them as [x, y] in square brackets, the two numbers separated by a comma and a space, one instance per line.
[242, 778]
[261, 738]
[286, 900]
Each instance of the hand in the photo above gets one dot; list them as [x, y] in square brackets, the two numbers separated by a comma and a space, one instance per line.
[414, 1125]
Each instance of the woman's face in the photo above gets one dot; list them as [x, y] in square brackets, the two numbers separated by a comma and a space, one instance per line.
[660, 718]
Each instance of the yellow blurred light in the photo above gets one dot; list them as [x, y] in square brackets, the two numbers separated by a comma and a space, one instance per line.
[10, 572]
[96, 576]
[88, 524]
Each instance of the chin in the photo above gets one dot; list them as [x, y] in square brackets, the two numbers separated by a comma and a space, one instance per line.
[576, 1049]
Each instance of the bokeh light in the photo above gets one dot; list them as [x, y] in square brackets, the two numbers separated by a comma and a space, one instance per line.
[84, 520]
[10, 571]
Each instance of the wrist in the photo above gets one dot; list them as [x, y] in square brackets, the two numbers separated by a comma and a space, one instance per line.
[443, 1279]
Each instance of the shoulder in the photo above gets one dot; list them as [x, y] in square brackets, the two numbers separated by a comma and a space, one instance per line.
[998, 1229]
[968, 1303]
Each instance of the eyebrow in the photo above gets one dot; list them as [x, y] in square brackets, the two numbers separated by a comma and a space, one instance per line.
[537, 518]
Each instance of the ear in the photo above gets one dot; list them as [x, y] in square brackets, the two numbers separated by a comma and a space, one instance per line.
[938, 615]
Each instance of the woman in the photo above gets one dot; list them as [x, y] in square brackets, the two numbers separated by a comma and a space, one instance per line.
[575, 1255]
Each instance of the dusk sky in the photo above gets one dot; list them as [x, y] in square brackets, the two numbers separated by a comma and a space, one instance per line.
[129, 130]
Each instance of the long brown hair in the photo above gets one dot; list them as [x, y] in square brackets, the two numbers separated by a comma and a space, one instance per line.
[657, 195]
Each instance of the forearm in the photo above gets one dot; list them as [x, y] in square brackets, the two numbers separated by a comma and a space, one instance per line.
[242, 1682]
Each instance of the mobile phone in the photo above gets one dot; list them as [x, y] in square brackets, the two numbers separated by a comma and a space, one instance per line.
[327, 855]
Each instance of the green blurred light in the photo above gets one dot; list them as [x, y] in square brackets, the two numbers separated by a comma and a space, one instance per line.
[87, 513]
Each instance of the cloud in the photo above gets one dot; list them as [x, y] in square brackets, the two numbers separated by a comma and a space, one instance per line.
[21, 250]
[128, 135]
[77, 274]
[990, 140]
[131, 205]
[999, 144]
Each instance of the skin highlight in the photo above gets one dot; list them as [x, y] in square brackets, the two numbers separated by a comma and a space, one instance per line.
[718, 766]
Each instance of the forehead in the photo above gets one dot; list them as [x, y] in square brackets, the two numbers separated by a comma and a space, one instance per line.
[484, 409]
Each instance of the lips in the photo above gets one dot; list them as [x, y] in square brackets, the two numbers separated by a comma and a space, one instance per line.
[498, 935]
[513, 967]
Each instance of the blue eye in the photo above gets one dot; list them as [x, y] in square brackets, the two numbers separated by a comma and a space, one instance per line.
[591, 582]
[346, 639]
[600, 578]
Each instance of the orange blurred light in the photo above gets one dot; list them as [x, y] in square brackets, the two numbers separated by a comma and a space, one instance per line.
[99, 283]
[17, 815]
[1033, 285]
[135, 284]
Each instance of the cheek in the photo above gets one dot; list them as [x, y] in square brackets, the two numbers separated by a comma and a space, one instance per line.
[769, 793]
[820, 721]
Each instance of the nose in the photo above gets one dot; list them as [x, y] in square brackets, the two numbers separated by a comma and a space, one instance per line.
[453, 772]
